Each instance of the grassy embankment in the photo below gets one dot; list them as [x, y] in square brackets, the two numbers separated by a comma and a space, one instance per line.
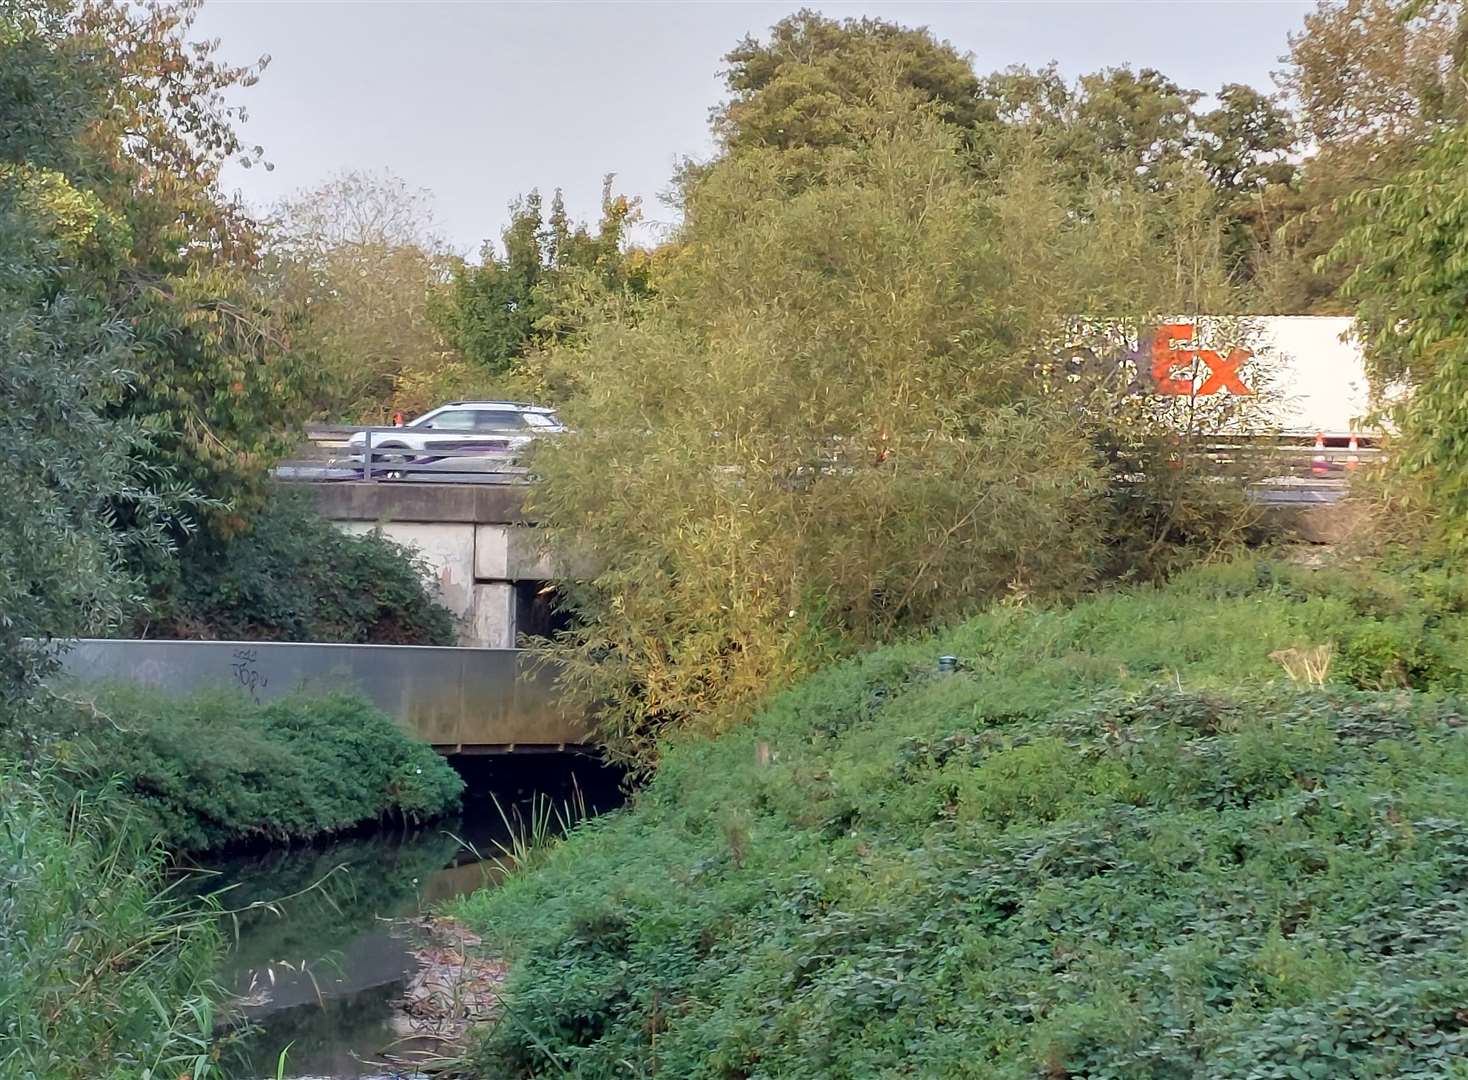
[1120, 843]
[215, 770]
[106, 965]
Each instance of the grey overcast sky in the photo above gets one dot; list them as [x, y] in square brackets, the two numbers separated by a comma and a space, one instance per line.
[479, 102]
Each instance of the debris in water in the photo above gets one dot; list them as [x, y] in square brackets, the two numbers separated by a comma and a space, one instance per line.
[452, 990]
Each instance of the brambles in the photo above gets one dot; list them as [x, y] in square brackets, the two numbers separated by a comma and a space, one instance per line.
[216, 769]
[1119, 843]
[293, 576]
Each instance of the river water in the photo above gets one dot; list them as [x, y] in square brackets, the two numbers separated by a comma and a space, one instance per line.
[324, 935]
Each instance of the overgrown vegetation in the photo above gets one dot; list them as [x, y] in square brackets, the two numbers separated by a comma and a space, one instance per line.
[1409, 280]
[104, 967]
[296, 577]
[152, 372]
[1119, 842]
[148, 380]
[833, 408]
[877, 434]
[216, 769]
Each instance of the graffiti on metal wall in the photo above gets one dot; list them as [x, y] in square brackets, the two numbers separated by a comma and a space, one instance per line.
[247, 674]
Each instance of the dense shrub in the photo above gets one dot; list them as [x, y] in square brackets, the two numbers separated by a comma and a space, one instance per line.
[843, 415]
[295, 577]
[103, 968]
[216, 769]
[1119, 843]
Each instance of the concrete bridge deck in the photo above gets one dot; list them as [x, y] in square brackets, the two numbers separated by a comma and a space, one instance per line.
[461, 701]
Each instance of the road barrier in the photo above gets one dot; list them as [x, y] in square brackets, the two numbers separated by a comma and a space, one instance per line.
[328, 456]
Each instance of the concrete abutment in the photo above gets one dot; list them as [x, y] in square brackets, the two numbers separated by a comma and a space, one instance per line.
[484, 553]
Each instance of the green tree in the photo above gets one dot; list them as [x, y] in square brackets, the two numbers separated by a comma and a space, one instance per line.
[519, 299]
[831, 421]
[1245, 147]
[1139, 123]
[797, 88]
[118, 103]
[60, 558]
[1122, 128]
[1370, 74]
[1244, 144]
[66, 362]
[358, 258]
[1410, 274]
[218, 382]
[1373, 82]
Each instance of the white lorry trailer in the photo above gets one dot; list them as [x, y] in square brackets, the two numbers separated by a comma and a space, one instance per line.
[1317, 385]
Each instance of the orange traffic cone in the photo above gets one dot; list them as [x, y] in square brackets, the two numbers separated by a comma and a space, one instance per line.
[1318, 464]
[397, 419]
[1355, 458]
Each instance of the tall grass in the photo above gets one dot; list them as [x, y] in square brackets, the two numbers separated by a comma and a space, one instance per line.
[104, 965]
[532, 832]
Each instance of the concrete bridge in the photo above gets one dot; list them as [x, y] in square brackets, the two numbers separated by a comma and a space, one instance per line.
[460, 700]
[481, 546]
[484, 552]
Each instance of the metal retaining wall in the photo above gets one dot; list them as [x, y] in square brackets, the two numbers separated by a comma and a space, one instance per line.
[459, 700]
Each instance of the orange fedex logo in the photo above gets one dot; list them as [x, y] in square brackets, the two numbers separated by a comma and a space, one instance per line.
[1173, 349]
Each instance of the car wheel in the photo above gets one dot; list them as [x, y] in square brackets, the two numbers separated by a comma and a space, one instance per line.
[386, 457]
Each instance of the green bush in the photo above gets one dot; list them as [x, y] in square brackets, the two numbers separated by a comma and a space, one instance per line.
[104, 968]
[295, 577]
[216, 769]
[851, 416]
[1120, 843]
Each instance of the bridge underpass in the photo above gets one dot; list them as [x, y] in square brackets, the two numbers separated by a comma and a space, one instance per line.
[459, 700]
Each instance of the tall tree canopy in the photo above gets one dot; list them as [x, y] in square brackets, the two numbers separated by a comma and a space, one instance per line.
[521, 296]
[115, 101]
[357, 257]
[1372, 82]
[833, 419]
[1409, 282]
[796, 88]
[65, 358]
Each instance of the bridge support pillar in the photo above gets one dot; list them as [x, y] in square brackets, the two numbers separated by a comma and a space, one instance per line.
[483, 553]
[492, 623]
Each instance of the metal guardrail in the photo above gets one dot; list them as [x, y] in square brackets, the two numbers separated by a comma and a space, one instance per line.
[459, 700]
[329, 456]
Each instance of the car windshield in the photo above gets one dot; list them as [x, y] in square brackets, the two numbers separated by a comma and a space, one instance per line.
[493, 421]
[449, 420]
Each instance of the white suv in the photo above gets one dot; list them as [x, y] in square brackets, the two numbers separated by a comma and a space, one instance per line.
[498, 430]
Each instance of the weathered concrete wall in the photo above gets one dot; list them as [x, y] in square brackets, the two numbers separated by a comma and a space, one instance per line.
[476, 539]
[489, 504]
[493, 616]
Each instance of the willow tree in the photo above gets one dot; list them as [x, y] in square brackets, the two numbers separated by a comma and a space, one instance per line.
[836, 420]
[1409, 280]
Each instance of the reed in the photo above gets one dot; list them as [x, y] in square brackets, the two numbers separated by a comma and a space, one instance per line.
[104, 961]
[533, 831]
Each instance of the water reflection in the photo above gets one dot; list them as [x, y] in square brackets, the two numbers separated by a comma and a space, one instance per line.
[323, 934]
